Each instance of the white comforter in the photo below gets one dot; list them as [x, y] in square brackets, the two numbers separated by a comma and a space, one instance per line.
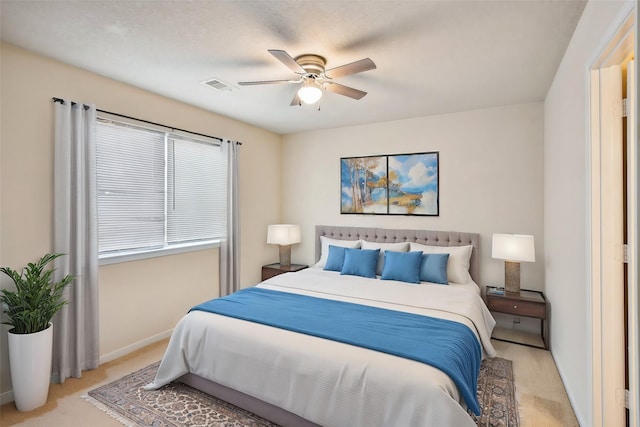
[330, 383]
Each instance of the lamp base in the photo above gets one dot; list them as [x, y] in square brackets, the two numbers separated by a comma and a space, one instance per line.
[512, 277]
[285, 255]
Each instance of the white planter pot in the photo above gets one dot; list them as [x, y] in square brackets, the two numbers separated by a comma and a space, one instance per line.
[30, 362]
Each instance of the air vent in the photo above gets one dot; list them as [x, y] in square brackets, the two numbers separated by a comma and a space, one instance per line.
[218, 84]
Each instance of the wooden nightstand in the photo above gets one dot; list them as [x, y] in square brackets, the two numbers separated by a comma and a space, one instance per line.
[526, 303]
[271, 270]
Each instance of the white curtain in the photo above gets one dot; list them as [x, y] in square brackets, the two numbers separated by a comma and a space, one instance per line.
[230, 247]
[75, 342]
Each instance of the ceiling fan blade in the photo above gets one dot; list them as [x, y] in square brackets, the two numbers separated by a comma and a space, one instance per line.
[267, 82]
[296, 101]
[352, 68]
[345, 90]
[287, 60]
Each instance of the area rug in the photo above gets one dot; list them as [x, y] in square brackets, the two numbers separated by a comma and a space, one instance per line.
[497, 394]
[178, 405]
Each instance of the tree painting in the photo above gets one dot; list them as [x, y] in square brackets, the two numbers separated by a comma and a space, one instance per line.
[403, 184]
[413, 184]
[364, 185]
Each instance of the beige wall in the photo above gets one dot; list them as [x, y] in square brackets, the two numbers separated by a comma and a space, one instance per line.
[139, 300]
[491, 164]
[566, 214]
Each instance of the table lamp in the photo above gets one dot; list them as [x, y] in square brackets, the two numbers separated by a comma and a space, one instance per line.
[514, 249]
[284, 235]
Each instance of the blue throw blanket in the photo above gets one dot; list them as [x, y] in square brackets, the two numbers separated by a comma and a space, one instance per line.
[449, 346]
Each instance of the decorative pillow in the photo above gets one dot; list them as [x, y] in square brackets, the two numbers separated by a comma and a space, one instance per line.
[335, 258]
[459, 260]
[402, 266]
[360, 262]
[433, 268]
[324, 248]
[396, 247]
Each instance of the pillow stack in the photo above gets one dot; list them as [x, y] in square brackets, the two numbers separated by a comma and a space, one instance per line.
[384, 247]
[458, 263]
[405, 262]
[356, 262]
[324, 248]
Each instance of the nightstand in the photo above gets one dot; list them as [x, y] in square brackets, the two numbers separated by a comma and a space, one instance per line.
[270, 270]
[526, 304]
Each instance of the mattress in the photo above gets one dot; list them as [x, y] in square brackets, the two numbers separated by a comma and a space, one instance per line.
[327, 382]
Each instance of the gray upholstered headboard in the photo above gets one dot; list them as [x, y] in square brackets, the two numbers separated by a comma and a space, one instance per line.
[387, 235]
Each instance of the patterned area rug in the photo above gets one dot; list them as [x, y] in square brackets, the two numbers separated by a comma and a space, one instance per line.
[178, 405]
[497, 394]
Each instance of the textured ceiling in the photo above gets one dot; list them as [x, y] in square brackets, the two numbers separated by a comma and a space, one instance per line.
[432, 57]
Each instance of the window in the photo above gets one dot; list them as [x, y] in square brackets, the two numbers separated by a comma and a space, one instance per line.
[158, 191]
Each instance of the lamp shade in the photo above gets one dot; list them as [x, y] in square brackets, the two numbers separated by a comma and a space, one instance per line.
[513, 247]
[283, 234]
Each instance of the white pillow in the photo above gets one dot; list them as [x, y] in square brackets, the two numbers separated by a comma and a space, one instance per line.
[324, 248]
[396, 247]
[459, 259]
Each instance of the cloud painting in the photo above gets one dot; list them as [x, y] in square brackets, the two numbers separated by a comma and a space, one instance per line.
[403, 184]
[413, 184]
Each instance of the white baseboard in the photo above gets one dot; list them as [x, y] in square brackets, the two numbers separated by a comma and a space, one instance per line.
[7, 396]
[135, 346]
[569, 392]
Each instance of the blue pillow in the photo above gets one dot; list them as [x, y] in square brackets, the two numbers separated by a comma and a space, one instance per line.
[402, 266]
[360, 262]
[335, 259]
[434, 268]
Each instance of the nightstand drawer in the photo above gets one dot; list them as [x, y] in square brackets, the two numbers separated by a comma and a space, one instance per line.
[517, 307]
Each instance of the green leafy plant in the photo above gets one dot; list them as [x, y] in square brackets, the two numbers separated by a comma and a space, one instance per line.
[37, 297]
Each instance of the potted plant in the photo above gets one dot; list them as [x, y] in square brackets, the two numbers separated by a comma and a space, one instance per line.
[31, 308]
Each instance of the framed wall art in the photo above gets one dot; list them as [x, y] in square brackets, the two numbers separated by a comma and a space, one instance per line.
[398, 184]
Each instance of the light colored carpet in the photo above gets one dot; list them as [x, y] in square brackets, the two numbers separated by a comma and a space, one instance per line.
[542, 399]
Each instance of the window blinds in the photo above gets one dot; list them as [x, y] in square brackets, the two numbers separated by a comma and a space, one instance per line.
[196, 208]
[156, 189]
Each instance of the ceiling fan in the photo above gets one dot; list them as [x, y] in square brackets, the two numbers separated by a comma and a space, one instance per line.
[314, 79]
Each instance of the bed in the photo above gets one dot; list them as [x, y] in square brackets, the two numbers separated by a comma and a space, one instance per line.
[297, 379]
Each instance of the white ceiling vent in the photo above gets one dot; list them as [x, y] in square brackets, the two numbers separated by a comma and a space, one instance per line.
[218, 84]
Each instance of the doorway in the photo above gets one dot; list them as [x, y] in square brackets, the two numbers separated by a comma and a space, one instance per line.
[614, 232]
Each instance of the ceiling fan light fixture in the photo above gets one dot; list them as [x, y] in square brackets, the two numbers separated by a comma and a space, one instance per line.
[313, 78]
[309, 92]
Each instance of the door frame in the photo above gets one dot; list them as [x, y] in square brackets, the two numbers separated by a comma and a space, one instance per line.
[607, 391]
[633, 226]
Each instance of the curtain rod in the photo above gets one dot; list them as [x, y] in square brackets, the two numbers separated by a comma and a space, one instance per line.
[60, 100]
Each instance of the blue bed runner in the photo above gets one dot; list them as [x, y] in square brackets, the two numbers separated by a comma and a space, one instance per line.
[449, 346]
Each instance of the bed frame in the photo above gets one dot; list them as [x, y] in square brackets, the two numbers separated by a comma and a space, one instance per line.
[382, 235]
